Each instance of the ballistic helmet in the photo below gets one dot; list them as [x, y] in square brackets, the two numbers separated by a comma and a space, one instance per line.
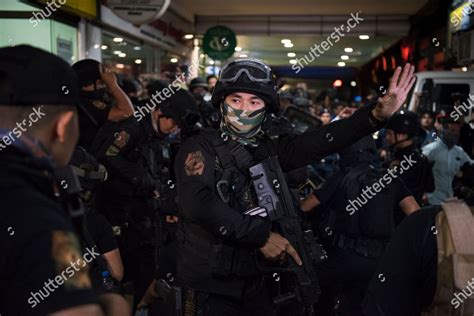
[247, 75]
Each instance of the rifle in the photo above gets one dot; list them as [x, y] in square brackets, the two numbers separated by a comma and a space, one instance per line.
[273, 195]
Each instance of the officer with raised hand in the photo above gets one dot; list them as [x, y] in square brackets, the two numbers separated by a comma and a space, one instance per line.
[42, 269]
[218, 243]
[96, 83]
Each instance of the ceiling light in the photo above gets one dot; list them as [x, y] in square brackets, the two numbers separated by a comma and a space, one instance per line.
[138, 61]
[285, 40]
[238, 49]
[122, 55]
[104, 47]
[353, 83]
[464, 69]
[348, 50]
[341, 64]
[243, 56]
[201, 55]
[120, 66]
[188, 36]
[211, 62]
[292, 61]
[345, 57]
[174, 60]
[364, 37]
[118, 39]
[116, 52]
[96, 46]
[137, 48]
[291, 55]
[288, 45]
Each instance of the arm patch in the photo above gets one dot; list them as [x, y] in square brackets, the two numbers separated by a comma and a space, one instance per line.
[194, 164]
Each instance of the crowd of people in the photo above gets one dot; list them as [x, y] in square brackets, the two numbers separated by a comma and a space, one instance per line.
[154, 178]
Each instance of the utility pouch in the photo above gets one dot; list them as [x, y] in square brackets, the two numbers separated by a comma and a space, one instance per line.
[220, 260]
[172, 298]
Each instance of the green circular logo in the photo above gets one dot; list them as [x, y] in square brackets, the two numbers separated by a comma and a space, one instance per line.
[219, 42]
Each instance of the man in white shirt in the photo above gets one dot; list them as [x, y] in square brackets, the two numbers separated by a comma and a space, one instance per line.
[448, 159]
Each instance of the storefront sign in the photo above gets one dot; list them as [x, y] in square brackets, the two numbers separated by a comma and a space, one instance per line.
[219, 42]
[64, 49]
[139, 11]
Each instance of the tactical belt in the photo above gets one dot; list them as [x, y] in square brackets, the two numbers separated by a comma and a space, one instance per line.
[367, 247]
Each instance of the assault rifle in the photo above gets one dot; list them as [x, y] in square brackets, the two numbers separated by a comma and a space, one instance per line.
[274, 196]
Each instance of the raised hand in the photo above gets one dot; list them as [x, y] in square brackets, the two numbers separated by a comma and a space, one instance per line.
[397, 92]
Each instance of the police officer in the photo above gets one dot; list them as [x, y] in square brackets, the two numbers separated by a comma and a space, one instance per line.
[94, 230]
[356, 225]
[95, 108]
[199, 89]
[417, 273]
[138, 160]
[217, 241]
[42, 270]
[403, 132]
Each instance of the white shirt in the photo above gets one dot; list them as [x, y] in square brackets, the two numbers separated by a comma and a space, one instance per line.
[447, 163]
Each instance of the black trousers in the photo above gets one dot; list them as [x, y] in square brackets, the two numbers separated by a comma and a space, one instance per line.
[344, 278]
[257, 304]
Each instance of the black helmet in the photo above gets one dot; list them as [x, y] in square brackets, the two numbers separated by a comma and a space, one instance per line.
[87, 70]
[362, 151]
[405, 123]
[198, 82]
[301, 102]
[247, 75]
[180, 106]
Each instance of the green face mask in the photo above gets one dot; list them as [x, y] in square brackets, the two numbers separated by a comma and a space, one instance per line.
[242, 123]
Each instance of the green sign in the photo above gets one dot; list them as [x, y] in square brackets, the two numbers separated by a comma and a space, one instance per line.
[219, 42]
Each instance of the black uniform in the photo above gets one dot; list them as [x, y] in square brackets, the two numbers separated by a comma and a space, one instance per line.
[37, 241]
[138, 162]
[214, 232]
[354, 237]
[418, 178]
[405, 279]
[92, 116]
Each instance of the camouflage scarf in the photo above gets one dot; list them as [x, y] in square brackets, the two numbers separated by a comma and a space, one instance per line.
[241, 125]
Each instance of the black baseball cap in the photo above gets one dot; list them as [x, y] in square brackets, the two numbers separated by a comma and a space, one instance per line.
[32, 76]
[87, 71]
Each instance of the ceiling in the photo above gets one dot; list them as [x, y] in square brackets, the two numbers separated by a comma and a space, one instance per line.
[259, 44]
[271, 50]
[190, 8]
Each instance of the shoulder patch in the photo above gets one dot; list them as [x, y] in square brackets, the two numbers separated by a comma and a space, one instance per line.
[194, 164]
[121, 139]
[66, 254]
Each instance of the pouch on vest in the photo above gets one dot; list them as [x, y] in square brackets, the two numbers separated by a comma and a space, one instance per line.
[455, 238]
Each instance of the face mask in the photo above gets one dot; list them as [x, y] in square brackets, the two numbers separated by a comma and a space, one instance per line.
[242, 123]
[199, 96]
[97, 94]
[449, 138]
